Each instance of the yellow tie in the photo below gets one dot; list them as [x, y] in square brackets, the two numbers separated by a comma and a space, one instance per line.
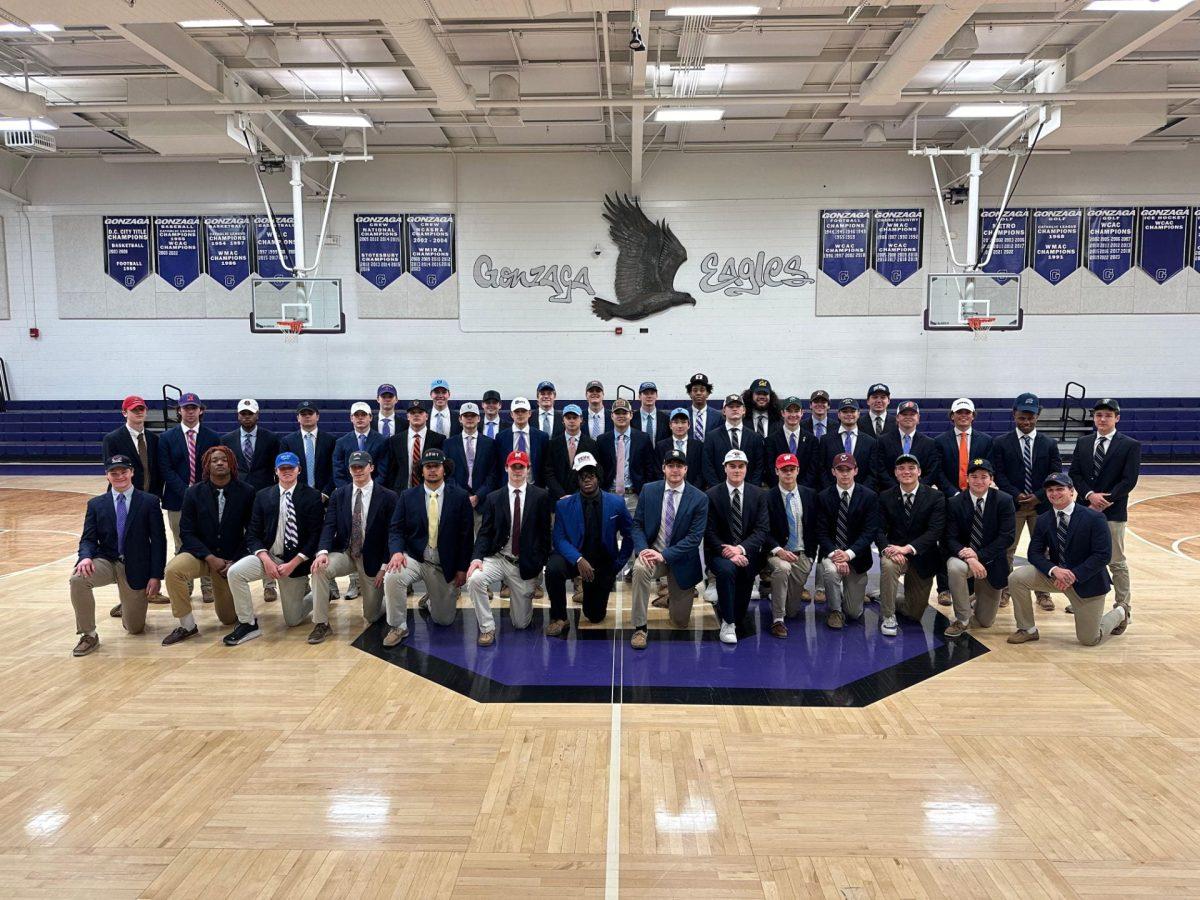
[431, 509]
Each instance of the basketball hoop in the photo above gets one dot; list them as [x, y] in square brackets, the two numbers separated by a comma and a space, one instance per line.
[981, 326]
[291, 329]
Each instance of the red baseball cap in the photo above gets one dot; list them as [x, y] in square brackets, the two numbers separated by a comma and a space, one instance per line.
[131, 401]
[786, 459]
[517, 456]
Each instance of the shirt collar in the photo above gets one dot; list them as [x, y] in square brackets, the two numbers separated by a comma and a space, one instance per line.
[974, 498]
[851, 430]
[134, 433]
[128, 493]
[313, 432]
[967, 433]
[840, 490]
[618, 431]
[741, 487]
[421, 432]
[1021, 435]
[1112, 434]
[441, 489]
[253, 432]
[283, 490]
[1069, 510]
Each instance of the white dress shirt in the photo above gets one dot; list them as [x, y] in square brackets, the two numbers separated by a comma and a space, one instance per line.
[660, 541]
[512, 493]
[794, 492]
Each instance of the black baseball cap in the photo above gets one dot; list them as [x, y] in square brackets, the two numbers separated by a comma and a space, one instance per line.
[675, 456]
[1107, 403]
[701, 379]
[879, 389]
[433, 455]
[119, 461]
[907, 458]
[980, 463]
[414, 405]
[493, 396]
[818, 395]
[306, 406]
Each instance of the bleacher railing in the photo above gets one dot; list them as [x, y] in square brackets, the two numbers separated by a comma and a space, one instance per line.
[5, 390]
[1070, 403]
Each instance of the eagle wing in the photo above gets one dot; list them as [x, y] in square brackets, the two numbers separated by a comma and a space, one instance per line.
[648, 253]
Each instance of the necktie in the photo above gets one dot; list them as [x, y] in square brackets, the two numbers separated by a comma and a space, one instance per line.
[792, 443]
[491, 429]
[735, 438]
[648, 425]
[144, 456]
[1062, 537]
[441, 424]
[220, 504]
[1098, 459]
[698, 417]
[385, 428]
[310, 458]
[571, 447]
[735, 514]
[762, 425]
[290, 537]
[546, 423]
[362, 442]
[356, 526]
[435, 519]
[907, 441]
[669, 519]
[848, 442]
[619, 479]
[470, 457]
[842, 530]
[793, 518]
[879, 426]
[191, 447]
[521, 445]
[679, 446]
[247, 451]
[122, 517]
[414, 465]
[819, 429]
[963, 453]
[908, 505]
[1027, 458]
[516, 523]
[977, 525]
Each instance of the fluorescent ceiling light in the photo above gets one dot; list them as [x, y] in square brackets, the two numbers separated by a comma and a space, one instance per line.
[1138, 5]
[27, 125]
[987, 110]
[714, 10]
[10, 27]
[223, 23]
[334, 120]
[688, 115]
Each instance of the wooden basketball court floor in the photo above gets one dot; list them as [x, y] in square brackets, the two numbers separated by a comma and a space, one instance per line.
[282, 770]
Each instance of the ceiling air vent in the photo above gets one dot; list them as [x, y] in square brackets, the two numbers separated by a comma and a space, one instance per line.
[29, 142]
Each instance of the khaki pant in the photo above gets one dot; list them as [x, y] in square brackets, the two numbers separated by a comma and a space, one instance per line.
[844, 593]
[173, 516]
[916, 590]
[83, 597]
[323, 584]
[291, 592]
[182, 570]
[1092, 623]
[1117, 567]
[679, 601]
[1026, 518]
[443, 597]
[787, 583]
[520, 604]
[987, 598]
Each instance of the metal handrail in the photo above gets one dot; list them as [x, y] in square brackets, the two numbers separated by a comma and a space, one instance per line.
[170, 403]
[1067, 405]
[5, 390]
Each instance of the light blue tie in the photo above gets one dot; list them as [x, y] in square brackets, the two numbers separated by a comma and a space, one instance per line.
[648, 426]
[491, 429]
[846, 442]
[793, 526]
[362, 442]
[310, 458]
[907, 442]
[122, 516]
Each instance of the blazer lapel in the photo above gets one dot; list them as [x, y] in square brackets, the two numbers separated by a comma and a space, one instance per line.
[376, 502]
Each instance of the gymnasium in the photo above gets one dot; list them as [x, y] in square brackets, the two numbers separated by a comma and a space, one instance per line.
[599, 448]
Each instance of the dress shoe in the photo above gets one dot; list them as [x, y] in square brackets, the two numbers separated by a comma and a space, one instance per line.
[180, 634]
[955, 629]
[1069, 609]
[944, 598]
[805, 596]
[423, 603]
[539, 593]
[395, 635]
[87, 643]
[1005, 599]
[486, 638]
[270, 595]
[505, 593]
[638, 641]
[115, 612]
[835, 619]
[819, 597]
[660, 603]
[1045, 601]
[161, 599]
[555, 628]
[778, 629]
[320, 631]
[1024, 637]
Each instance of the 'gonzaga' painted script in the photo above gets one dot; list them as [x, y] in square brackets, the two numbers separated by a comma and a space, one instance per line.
[561, 280]
[750, 276]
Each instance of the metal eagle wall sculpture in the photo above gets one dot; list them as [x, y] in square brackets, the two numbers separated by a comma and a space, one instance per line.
[648, 256]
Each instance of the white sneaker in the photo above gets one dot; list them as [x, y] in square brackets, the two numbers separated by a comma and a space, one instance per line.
[728, 633]
[888, 626]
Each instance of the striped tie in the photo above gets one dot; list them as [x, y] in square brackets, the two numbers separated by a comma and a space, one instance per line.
[698, 416]
[414, 464]
[247, 452]
[356, 526]
[191, 447]
[669, 518]
[1027, 457]
[843, 522]
[1062, 537]
[1098, 458]
[291, 539]
[735, 517]
[977, 525]
[908, 504]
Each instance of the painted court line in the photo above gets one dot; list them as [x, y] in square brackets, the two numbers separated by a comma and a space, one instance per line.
[612, 857]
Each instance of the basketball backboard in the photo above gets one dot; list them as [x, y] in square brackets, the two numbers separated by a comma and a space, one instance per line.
[317, 302]
[952, 298]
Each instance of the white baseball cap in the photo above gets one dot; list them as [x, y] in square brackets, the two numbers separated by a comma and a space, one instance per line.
[468, 407]
[584, 459]
[360, 407]
[734, 456]
[249, 404]
[962, 403]
[519, 403]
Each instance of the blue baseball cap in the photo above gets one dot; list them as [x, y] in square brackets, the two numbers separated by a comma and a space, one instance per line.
[189, 399]
[1060, 478]
[386, 389]
[1027, 403]
[545, 386]
[648, 386]
[680, 411]
[572, 408]
[287, 458]
[439, 383]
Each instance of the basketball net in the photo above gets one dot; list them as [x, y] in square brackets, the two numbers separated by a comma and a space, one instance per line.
[981, 326]
[291, 330]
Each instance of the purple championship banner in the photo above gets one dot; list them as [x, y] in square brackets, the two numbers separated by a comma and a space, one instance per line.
[429, 247]
[896, 236]
[127, 249]
[379, 247]
[227, 249]
[845, 243]
[177, 249]
[1057, 237]
[1110, 241]
[1163, 241]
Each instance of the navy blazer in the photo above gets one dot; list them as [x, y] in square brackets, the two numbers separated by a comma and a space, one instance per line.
[397, 476]
[831, 423]
[713, 419]
[536, 509]
[339, 523]
[173, 462]
[777, 520]
[682, 554]
[261, 472]
[1009, 463]
[145, 538]
[642, 468]
[947, 444]
[615, 518]
[557, 475]
[323, 463]
[866, 422]
[999, 531]
[483, 474]
[924, 528]
[778, 441]
[864, 454]
[202, 534]
[862, 525]
[662, 424]
[120, 441]
[1089, 548]
[889, 447]
[717, 444]
[537, 453]
[756, 532]
[556, 422]
[408, 531]
[695, 458]
[1117, 477]
[264, 521]
[376, 445]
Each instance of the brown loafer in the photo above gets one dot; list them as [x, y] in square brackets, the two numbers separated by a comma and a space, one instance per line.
[638, 641]
[538, 593]
[423, 603]
[1024, 637]
[944, 598]
[320, 631]
[660, 603]
[555, 628]
[1045, 601]
[819, 597]
[270, 595]
[955, 629]
[486, 638]
[395, 635]
[1120, 629]
[115, 612]
[505, 593]
[577, 596]
[805, 596]
[160, 599]
[180, 634]
[778, 629]
[835, 619]
[1005, 599]
[87, 643]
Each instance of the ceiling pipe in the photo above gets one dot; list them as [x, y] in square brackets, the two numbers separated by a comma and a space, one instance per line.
[429, 58]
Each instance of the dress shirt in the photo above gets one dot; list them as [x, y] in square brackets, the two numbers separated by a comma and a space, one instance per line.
[277, 547]
[595, 422]
[252, 434]
[1032, 436]
[853, 432]
[545, 420]
[850, 490]
[617, 442]
[794, 492]
[483, 426]
[423, 433]
[446, 425]
[660, 542]
[649, 422]
[134, 434]
[762, 422]
[512, 492]
[128, 494]
[391, 423]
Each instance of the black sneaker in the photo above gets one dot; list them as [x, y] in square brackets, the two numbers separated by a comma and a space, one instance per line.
[242, 633]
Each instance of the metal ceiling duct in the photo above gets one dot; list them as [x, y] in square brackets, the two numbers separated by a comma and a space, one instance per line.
[21, 104]
[423, 49]
[504, 86]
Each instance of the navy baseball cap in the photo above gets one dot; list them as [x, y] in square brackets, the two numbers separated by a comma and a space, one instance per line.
[1060, 478]
[306, 406]
[385, 389]
[648, 386]
[907, 458]
[287, 458]
[676, 456]
[980, 463]
[359, 458]
[414, 405]
[120, 461]
[760, 386]
[189, 399]
[908, 406]
[545, 386]
[880, 388]
[848, 403]
[1109, 404]
[1027, 403]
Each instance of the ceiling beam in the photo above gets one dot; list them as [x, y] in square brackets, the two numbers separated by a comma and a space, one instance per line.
[178, 51]
[1117, 38]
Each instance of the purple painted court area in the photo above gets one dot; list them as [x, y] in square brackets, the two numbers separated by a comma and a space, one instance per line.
[813, 657]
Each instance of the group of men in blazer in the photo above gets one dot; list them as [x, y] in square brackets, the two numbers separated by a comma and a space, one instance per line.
[762, 487]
